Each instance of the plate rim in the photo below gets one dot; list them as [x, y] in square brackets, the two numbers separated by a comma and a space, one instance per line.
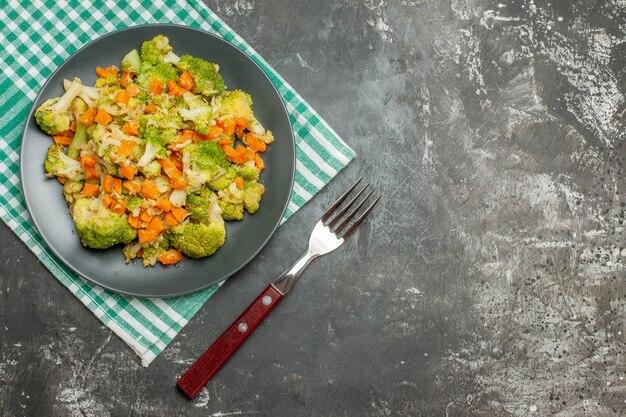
[61, 258]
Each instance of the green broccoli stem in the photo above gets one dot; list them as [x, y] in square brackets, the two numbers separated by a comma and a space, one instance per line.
[80, 137]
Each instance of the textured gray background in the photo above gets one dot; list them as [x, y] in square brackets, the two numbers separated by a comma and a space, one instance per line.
[489, 282]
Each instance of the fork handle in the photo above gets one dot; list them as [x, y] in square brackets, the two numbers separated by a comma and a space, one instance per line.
[212, 360]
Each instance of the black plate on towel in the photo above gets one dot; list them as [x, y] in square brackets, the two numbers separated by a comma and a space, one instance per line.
[244, 239]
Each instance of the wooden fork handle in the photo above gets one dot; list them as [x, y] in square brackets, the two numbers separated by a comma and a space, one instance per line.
[203, 370]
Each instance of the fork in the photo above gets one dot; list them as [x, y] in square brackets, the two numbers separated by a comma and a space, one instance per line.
[326, 237]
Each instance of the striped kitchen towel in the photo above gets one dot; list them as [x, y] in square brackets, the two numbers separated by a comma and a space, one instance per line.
[36, 37]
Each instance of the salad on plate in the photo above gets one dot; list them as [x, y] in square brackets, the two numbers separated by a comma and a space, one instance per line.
[156, 155]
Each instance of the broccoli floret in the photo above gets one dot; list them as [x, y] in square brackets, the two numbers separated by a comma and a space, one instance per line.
[198, 240]
[71, 190]
[162, 72]
[206, 76]
[236, 104]
[247, 172]
[52, 115]
[198, 111]
[156, 140]
[152, 251]
[168, 102]
[201, 161]
[223, 180]
[131, 62]
[252, 193]
[231, 211]
[198, 206]
[161, 121]
[60, 165]
[133, 204]
[151, 169]
[98, 227]
[158, 50]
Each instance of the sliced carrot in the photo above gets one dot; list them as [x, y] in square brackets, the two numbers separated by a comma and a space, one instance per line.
[88, 118]
[176, 160]
[254, 142]
[105, 72]
[156, 224]
[101, 72]
[128, 172]
[107, 200]
[239, 182]
[171, 220]
[214, 132]
[258, 162]
[125, 78]
[62, 140]
[90, 190]
[73, 126]
[186, 80]
[170, 169]
[164, 204]
[228, 125]
[122, 97]
[62, 180]
[117, 185]
[132, 187]
[178, 183]
[134, 221]
[225, 141]
[69, 133]
[187, 134]
[126, 148]
[118, 206]
[173, 89]
[150, 108]
[145, 217]
[131, 128]
[91, 173]
[179, 213]
[149, 190]
[103, 117]
[156, 87]
[88, 161]
[133, 90]
[170, 257]
[107, 183]
[147, 235]
[239, 155]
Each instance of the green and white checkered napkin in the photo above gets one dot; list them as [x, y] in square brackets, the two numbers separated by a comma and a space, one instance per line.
[36, 38]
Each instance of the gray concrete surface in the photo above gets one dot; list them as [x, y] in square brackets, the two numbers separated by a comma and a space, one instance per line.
[490, 281]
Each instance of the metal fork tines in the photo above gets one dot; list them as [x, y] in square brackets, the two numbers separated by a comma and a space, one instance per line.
[327, 234]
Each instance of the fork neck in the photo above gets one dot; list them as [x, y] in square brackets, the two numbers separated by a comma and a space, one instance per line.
[287, 279]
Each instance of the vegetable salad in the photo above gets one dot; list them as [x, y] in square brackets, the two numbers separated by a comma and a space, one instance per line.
[155, 156]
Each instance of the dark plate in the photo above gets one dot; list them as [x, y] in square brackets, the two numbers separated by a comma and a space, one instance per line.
[244, 239]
